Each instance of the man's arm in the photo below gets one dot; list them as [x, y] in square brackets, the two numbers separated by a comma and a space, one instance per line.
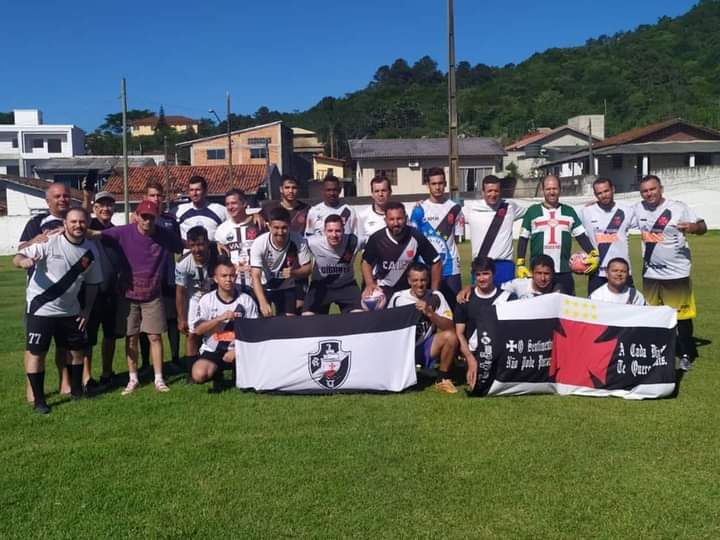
[90, 295]
[180, 299]
[206, 327]
[699, 227]
[435, 275]
[301, 272]
[368, 278]
[265, 307]
[471, 375]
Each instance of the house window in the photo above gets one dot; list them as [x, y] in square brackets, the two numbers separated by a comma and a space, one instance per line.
[216, 153]
[617, 162]
[259, 141]
[390, 174]
[701, 160]
[15, 142]
[471, 177]
[258, 153]
[37, 143]
[54, 146]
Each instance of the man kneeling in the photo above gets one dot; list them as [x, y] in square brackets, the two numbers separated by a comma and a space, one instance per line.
[435, 335]
[214, 319]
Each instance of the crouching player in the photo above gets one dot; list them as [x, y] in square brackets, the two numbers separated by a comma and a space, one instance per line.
[435, 334]
[214, 320]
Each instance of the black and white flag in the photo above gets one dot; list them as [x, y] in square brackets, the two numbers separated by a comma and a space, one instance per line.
[372, 351]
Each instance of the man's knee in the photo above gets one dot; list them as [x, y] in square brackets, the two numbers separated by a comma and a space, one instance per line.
[154, 338]
[203, 371]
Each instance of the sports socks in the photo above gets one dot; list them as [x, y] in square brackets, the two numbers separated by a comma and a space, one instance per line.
[76, 371]
[37, 383]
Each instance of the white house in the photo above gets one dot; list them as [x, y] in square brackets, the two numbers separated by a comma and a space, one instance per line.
[28, 142]
[405, 162]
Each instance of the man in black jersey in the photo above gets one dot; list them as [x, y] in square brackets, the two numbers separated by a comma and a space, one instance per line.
[390, 252]
[289, 201]
[474, 322]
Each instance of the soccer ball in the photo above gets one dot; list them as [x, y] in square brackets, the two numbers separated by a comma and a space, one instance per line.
[579, 262]
[374, 302]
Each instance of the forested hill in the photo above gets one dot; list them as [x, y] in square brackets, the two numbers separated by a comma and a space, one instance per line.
[671, 68]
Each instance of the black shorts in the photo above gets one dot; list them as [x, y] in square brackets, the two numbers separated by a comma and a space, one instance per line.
[320, 296]
[40, 331]
[283, 300]
[301, 288]
[216, 358]
[103, 314]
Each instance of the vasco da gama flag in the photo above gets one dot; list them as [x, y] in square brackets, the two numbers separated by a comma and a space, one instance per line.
[370, 351]
[568, 345]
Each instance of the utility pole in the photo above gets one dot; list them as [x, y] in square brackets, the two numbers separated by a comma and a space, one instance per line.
[167, 174]
[591, 158]
[229, 136]
[126, 195]
[452, 106]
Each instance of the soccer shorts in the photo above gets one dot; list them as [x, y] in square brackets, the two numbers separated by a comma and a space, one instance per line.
[675, 293]
[216, 358]
[283, 300]
[320, 296]
[103, 314]
[64, 330]
[422, 352]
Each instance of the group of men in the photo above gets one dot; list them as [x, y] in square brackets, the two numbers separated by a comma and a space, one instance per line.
[292, 259]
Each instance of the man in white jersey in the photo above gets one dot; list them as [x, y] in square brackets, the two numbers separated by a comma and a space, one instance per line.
[372, 219]
[541, 280]
[59, 266]
[472, 318]
[193, 278]
[199, 211]
[617, 289]
[663, 224]
[607, 223]
[436, 218]
[435, 335]
[214, 319]
[237, 235]
[330, 204]
[491, 227]
[277, 259]
[333, 278]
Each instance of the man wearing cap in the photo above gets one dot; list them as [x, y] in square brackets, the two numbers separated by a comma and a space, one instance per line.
[140, 307]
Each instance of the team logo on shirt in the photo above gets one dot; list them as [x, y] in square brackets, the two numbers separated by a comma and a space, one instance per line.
[329, 365]
[251, 234]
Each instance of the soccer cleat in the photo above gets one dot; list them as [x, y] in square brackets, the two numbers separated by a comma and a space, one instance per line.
[160, 386]
[447, 386]
[521, 270]
[685, 363]
[131, 387]
[41, 408]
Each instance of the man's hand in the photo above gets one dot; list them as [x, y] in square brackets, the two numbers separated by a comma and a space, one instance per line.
[229, 356]
[285, 273]
[471, 375]
[266, 309]
[182, 325]
[82, 320]
[593, 261]
[222, 249]
[242, 268]
[464, 295]
[226, 316]
[424, 308]
[369, 290]
[28, 262]
[521, 270]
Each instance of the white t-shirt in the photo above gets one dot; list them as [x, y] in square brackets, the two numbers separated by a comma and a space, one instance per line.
[438, 223]
[369, 222]
[521, 288]
[272, 260]
[630, 296]
[666, 253]
[238, 239]
[210, 306]
[209, 216]
[334, 266]
[60, 270]
[608, 231]
[317, 214]
[424, 328]
[479, 216]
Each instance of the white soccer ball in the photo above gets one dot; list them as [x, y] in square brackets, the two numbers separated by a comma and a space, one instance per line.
[375, 301]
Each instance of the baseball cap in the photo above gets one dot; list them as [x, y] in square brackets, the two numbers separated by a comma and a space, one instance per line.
[147, 207]
[104, 195]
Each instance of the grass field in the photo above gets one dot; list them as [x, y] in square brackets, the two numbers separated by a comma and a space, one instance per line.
[418, 464]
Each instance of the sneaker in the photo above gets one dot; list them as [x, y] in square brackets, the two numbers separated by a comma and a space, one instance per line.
[685, 363]
[41, 408]
[131, 387]
[447, 386]
[160, 386]
[107, 382]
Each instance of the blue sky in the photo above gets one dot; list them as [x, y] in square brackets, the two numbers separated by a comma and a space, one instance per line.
[68, 58]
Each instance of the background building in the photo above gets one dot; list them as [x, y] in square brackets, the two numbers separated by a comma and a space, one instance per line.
[147, 126]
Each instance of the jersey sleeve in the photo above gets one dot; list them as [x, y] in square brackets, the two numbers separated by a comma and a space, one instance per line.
[426, 249]
[38, 250]
[31, 230]
[577, 227]
[370, 255]
[393, 300]
[444, 308]
[526, 225]
[180, 275]
[256, 252]
[310, 222]
[199, 314]
[304, 256]
[459, 229]
[460, 315]
[416, 216]
[689, 215]
[518, 211]
[251, 310]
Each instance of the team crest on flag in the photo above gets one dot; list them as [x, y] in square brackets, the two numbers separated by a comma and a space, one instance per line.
[329, 365]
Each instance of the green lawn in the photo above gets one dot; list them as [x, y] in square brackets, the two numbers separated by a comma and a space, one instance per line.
[419, 464]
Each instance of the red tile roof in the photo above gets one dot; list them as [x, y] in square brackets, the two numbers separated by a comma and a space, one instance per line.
[637, 134]
[246, 177]
[38, 184]
[528, 138]
[171, 120]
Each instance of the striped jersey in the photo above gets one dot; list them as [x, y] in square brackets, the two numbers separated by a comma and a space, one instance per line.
[272, 260]
[550, 231]
[438, 222]
[238, 239]
[209, 216]
[435, 299]
[608, 231]
[317, 214]
[369, 222]
[479, 216]
[334, 266]
[211, 306]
